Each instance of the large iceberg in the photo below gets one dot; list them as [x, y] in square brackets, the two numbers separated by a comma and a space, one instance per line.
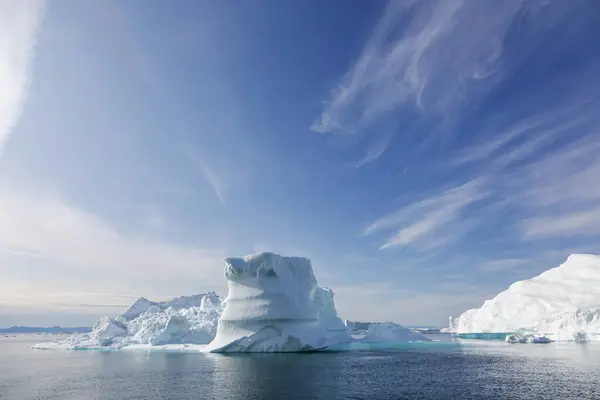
[562, 304]
[271, 307]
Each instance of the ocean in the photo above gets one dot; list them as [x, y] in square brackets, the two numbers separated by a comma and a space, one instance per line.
[442, 370]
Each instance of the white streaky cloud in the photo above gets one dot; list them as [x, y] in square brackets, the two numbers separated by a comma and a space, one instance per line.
[546, 167]
[524, 138]
[559, 194]
[487, 149]
[213, 180]
[567, 224]
[566, 178]
[211, 177]
[502, 264]
[432, 55]
[425, 221]
[375, 151]
[66, 244]
[19, 24]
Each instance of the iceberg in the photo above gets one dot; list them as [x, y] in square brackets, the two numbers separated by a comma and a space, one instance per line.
[182, 320]
[392, 333]
[526, 338]
[357, 326]
[272, 307]
[452, 325]
[561, 304]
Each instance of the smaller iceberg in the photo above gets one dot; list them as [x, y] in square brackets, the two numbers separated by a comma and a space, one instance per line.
[392, 333]
[526, 338]
[452, 325]
[184, 320]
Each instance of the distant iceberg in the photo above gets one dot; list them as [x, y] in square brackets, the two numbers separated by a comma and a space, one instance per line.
[561, 304]
[274, 304]
[452, 325]
[392, 333]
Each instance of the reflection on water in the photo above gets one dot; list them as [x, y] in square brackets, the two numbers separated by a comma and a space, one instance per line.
[272, 376]
[439, 370]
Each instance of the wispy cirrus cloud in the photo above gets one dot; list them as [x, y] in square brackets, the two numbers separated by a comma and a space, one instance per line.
[528, 150]
[426, 222]
[547, 167]
[502, 264]
[560, 192]
[430, 56]
[19, 24]
[524, 137]
[198, 162]
[563, 224]
[375, 150]
[212, 180]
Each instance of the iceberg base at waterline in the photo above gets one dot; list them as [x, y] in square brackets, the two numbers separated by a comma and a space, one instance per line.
[286, 337]
[274, 304]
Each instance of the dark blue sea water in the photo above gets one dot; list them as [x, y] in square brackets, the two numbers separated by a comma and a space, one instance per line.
[481, 370]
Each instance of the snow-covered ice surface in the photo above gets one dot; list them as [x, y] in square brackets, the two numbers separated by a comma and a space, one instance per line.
[274, 305]
[562, 304]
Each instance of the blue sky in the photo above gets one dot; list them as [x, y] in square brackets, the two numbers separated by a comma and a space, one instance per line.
[424, 154]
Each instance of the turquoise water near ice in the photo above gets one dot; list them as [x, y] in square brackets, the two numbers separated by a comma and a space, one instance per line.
[441, 370]
[485, 336]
